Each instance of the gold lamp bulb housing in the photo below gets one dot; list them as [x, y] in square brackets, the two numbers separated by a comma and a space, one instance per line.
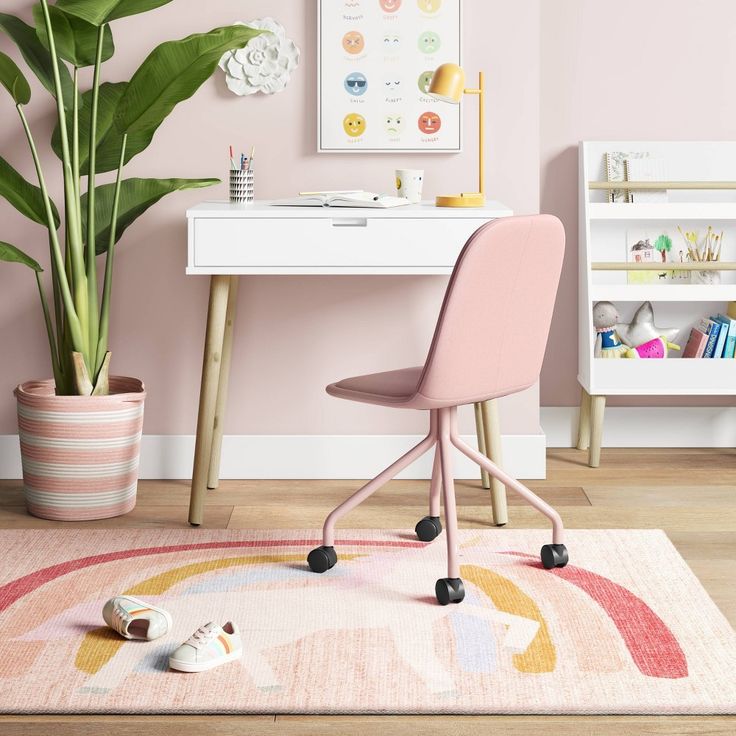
[448, 83]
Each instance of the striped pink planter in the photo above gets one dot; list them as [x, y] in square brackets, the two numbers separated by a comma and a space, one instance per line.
[80, 453]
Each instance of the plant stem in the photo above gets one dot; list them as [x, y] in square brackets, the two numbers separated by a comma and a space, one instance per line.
[73, 217]
[49, 331]
[107, 289]
[90, 245]
[75, 133]
[72, 319]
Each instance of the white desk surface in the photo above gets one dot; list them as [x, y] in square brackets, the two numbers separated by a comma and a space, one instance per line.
[264, 209]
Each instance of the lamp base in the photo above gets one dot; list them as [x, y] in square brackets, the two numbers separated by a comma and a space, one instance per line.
[466, 199]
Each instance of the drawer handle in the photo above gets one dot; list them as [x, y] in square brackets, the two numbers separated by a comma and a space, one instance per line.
[350, 222]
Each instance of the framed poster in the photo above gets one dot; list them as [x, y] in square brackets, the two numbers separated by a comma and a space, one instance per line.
[376, 58]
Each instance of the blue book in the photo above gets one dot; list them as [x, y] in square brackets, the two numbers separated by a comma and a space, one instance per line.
[712, 329]
[722, 335]
[729, 325]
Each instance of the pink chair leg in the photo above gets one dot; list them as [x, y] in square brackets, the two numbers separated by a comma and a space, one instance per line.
[520, 488]
[328, 531]
[435, 485]
[448, 493]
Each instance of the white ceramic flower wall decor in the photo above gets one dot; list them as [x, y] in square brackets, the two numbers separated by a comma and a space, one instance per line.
[265, 63]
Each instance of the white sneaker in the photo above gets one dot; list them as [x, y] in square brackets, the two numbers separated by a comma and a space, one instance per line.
[134, 619]
[209, 646]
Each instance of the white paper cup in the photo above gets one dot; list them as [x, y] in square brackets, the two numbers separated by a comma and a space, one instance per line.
[242, 186]
[409, 184]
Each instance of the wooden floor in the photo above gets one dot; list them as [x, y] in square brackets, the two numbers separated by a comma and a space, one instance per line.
[691, 494]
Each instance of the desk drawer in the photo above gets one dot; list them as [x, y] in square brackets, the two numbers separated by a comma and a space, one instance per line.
[329, 242]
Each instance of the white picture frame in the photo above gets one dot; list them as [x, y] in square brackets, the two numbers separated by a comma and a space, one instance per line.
[352, 38]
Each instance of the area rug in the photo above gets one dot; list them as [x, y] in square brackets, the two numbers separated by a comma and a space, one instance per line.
[625, 628]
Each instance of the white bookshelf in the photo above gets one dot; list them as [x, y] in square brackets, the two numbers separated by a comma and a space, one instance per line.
[703, 193]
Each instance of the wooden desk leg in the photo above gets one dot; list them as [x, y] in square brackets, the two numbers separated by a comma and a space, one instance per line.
[597, 408]
[213, 476]
[485, 477]
[492, 432]
[216, 313]
[584, 421]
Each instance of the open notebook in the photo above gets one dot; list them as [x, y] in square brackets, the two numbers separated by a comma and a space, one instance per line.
[343, 199]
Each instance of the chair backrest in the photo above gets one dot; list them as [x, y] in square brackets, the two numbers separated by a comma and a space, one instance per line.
[493, 327]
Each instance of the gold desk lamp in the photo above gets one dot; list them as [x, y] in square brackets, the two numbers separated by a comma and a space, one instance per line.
[448, 85]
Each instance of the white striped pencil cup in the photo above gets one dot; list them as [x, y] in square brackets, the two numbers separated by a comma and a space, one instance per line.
[80, 453]
[242, 186]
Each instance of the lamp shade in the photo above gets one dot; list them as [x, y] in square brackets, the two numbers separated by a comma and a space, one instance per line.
[448, 83]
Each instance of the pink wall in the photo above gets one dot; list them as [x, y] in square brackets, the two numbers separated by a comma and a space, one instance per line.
[294, 334]
[654, 70]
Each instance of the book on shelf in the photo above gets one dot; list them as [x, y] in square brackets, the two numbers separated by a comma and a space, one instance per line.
[728, 329]
[616, 171]
[646, 169]
[696, 344]
[343, 199]
[712, 330]
[720, 347]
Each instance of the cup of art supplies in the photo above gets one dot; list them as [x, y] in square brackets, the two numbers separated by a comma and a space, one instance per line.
[706, 250]
[242, 179]
[409, 184]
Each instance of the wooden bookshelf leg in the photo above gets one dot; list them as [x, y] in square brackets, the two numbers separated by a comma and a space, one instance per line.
[213, 477]
[597, 408]
[485, 477]
[216, 315]
[584, 423]
[492, 432]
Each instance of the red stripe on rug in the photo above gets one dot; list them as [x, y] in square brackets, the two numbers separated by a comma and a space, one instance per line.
[652, 645]
[16, 589]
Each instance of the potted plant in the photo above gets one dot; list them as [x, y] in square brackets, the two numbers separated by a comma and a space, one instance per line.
[80, 432]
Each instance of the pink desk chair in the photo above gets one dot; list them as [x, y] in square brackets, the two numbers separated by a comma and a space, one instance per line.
[489, 342]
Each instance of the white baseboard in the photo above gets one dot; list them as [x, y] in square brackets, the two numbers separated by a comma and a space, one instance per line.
[306, 456]
[647, 426]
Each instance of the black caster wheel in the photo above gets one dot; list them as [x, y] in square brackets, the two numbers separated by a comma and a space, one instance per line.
[449, 590]
[428, 528]
[322, 559]
[554, 555]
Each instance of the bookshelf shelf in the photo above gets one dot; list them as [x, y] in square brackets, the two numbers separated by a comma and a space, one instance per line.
[663, 293]
[701, 193]
[680, 212]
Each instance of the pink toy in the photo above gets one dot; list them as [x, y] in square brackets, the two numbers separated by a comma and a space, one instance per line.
[657, 348]
[507, 275]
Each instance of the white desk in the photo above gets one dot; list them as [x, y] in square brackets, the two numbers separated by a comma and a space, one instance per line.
[231, 240]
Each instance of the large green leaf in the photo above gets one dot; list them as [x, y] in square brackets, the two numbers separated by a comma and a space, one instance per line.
[109, 140]
[173, 72]
[11, 254]
[37, 56]
[103, 11]
[75, 39]
[13, 80]
[136, 196]
[23, 195]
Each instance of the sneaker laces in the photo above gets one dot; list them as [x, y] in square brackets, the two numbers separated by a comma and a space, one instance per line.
[202, 636]
[120, 618]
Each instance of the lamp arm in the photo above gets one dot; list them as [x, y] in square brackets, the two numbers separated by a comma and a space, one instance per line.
[481, 92]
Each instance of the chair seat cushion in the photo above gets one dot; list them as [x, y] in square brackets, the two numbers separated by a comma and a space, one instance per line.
[388, 388]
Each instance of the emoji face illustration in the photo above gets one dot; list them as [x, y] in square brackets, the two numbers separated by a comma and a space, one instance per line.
[429, 6]
[392, 86]
[353, 42]
[354, 125]
[356, 84]
[429, 42]
[429, 122]
[393, 124]
[390, 6]
[391, 43]
[425, 79]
